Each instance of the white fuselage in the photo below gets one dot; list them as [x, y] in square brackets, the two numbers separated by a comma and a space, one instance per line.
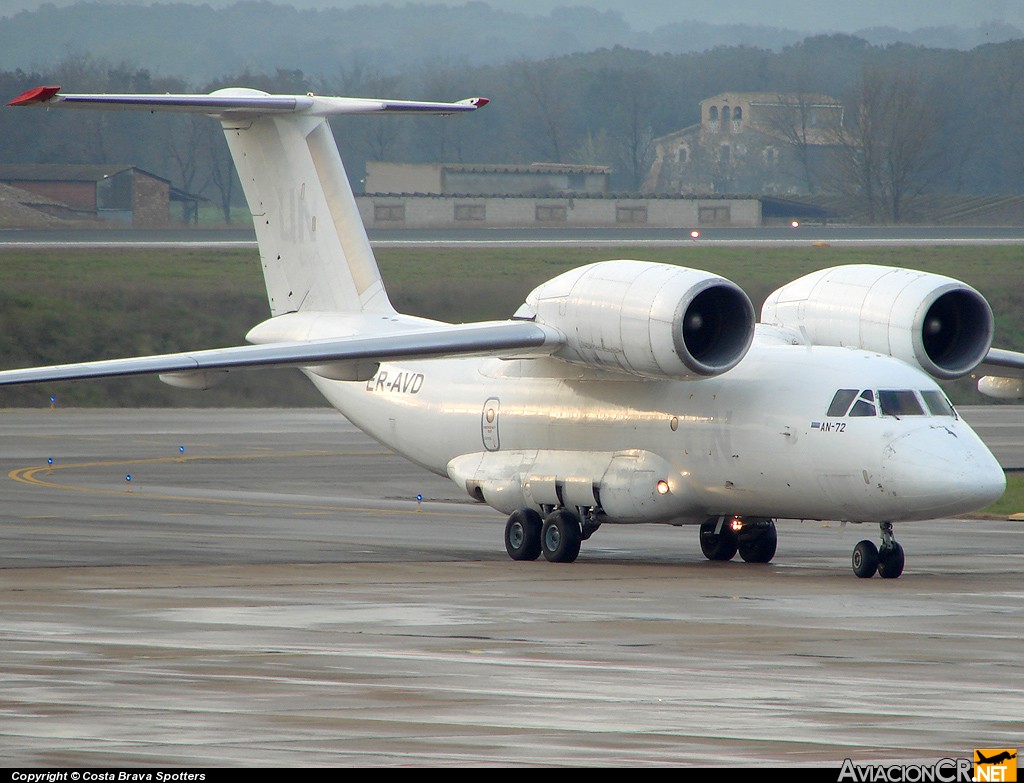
[755, 441]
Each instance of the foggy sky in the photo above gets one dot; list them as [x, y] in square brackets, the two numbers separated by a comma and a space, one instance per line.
[820, 16]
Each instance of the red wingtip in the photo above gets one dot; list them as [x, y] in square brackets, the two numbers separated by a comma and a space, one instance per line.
[35, 95]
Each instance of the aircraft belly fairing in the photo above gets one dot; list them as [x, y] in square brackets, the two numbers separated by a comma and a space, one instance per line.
[632, 485]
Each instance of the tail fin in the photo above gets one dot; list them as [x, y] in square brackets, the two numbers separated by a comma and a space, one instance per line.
[313, 246]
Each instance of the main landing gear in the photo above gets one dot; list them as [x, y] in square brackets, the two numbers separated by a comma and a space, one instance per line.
[558, 535]
[755, 538]
[887, 560]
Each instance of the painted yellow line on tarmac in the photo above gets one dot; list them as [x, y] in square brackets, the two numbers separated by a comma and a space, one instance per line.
[31, 475]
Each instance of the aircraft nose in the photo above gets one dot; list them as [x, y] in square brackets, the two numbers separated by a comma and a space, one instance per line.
[942, 470]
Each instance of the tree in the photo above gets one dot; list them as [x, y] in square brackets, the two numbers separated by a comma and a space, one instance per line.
[620, 132]
[183, 148]
[379, 135]
[441, 138]
[889, 149]
[222, 171]
[542, 85]
[794, 119]
[633, 126]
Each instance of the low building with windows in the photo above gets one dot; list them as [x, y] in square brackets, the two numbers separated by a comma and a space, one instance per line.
[457, 195]
[381, 211]
[746, 142]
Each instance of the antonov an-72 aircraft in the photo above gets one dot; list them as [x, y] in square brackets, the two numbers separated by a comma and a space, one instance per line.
[620, 392]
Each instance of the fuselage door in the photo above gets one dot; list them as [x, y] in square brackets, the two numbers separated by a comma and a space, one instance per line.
[489, 424]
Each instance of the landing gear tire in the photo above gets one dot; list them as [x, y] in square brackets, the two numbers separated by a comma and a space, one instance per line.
[890, 561]
[886, 560]
[717, 546]
[865, 559]
[560, 537]
[757, 540]
[522, 534]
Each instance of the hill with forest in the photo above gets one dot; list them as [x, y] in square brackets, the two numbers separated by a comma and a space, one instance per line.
[197, 42]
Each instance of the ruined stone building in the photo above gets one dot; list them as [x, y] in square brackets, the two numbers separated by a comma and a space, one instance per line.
[747, 142]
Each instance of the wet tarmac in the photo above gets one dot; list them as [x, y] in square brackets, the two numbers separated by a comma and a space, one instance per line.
[266, 590]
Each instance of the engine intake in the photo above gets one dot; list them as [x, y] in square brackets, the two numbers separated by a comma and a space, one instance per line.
[942, 325]
[653, 320]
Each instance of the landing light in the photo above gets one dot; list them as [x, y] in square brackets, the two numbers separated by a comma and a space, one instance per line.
[795, 224]
[694, 234]
[663, 487]
[736, 524]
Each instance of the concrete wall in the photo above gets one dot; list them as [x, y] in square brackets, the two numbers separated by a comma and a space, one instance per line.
[519, 183]
[483, 180]
[387, 177]
[448, 212]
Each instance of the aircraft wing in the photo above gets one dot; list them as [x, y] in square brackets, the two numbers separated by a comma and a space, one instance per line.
[513, 338]
[1002, 363]
[1001, 375]
[235, 102]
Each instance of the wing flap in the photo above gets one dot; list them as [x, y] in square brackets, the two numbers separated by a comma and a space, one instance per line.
[519, 338]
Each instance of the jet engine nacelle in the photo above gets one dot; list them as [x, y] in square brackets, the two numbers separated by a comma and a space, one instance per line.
[653, 320]
[942, 325]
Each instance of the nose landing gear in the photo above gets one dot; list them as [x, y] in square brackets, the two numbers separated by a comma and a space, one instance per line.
[887, 560]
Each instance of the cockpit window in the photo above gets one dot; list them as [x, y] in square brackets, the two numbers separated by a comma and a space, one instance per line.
[937, 403]
[899, 403]
[841, 402]
[865, 405]
[889, 402]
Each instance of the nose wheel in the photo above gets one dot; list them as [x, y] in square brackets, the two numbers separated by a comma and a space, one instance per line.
[886, 560]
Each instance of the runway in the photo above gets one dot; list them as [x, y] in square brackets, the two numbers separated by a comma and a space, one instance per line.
[761, 236]
[266, 590]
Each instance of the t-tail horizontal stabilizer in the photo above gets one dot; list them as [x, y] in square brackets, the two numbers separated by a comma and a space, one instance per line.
[241, 101]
